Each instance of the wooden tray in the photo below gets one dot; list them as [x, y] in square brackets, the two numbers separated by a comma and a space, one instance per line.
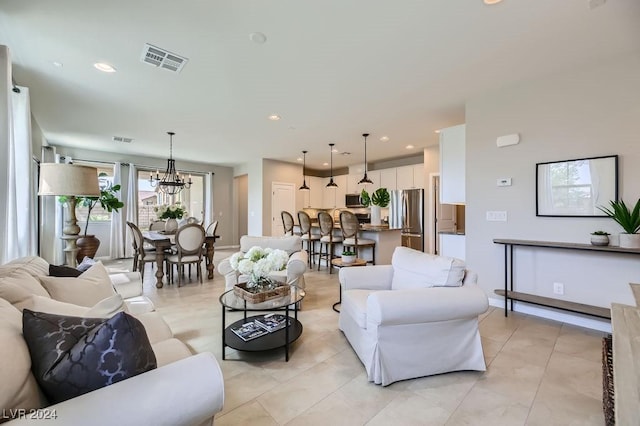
[240, 290]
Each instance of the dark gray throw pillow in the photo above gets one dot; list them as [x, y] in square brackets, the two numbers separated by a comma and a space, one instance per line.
[63, 271]
[71, 356]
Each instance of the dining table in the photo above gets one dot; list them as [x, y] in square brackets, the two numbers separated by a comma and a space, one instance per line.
[163, 241]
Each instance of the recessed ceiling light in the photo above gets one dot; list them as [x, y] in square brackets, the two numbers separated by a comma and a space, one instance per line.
[325, 164]
[299, 159]
[258, 38]
[274, 117]
[104, 67]
[57, 64]
[490, 2]
[409, 147]
[437, 131]
[385, 139]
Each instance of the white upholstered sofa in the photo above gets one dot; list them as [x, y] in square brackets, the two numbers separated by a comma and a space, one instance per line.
[296, 266]
[416, 317]
[184, 389]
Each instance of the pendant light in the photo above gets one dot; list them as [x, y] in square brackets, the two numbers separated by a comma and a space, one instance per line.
[365, 179]
[304, 186]
[331, 183]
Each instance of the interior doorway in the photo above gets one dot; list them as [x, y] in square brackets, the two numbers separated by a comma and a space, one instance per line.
[442, 216]
[283, 197]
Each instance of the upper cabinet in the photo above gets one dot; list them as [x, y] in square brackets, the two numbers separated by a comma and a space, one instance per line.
[340, 191]
[316, 186]
[388, 179]
[410, 177]
[452, 165]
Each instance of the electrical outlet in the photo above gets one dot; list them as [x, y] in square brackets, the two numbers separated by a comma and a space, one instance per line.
[558, 288]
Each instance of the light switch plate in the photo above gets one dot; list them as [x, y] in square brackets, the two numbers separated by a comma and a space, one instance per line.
[504, 182]
[497, 216]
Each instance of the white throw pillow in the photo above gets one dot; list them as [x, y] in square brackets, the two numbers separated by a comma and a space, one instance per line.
[105, 308]
[18, 286]
[415, 269]
[88, 289]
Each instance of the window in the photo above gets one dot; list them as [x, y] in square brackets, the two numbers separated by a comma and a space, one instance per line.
[150, 197]
[98, 214]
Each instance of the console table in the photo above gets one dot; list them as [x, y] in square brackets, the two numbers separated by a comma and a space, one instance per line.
[510, 295]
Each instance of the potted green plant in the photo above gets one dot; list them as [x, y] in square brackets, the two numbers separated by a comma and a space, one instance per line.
[600, 238]
[628, 219]
[378, 199]
[88, 244]
[348, 256]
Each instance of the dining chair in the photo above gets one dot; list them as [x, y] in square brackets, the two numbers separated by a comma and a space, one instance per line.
[287, 222]
[141, 254]
[157, 225]
[210, 232]
[350, 226]
[305, 230]
[190, 247]
[327, 239]
[192, 219]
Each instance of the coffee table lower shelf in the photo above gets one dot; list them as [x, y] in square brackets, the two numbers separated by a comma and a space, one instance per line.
[273, 340]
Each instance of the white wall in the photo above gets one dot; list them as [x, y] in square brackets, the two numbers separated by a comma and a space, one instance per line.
[278, 171]
[586, 112]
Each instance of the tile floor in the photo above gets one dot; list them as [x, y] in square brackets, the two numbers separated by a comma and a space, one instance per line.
[539, 372]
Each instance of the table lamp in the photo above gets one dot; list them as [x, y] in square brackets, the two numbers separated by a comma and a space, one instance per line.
[69, 180]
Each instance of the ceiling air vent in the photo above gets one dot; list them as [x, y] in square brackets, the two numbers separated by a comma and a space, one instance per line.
[161, 58]
[122, 139]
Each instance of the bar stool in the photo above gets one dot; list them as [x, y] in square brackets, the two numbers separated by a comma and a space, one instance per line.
[287, 222]
[305, 230]
[325, 220]
[350, 227]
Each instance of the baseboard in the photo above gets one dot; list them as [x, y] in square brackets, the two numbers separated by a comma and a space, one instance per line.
[228, 247]
[556, 315]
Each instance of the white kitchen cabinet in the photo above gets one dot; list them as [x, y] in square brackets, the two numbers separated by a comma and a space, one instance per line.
[388, 179]
[341, 190]
[334, 197]
[352, 183]
[316, 187]
[418, 175]
[452, 165]
[404, 177]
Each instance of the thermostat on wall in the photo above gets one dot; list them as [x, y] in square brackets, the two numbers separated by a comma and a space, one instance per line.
[507, 140]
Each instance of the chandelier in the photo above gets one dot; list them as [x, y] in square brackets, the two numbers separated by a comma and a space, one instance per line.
[171, 183]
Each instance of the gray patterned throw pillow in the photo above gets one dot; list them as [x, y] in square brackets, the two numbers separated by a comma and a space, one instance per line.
[71, 356]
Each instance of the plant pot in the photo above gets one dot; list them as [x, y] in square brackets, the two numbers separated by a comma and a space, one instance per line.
[348, 258]
[376, 219]
[171, 226]
[87, 246]
[600, 240]
[629, 240]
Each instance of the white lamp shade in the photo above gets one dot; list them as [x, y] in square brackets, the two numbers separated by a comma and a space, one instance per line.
[68, 179]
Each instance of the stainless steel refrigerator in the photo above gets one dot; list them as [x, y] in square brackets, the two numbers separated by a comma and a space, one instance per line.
[406, 212]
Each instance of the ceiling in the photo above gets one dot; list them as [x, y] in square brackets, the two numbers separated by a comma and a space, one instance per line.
[331, 70]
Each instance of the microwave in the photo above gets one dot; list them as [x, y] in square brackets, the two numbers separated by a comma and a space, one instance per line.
[352, 201]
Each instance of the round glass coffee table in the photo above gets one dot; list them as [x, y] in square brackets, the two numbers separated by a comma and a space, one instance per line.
[283, 337]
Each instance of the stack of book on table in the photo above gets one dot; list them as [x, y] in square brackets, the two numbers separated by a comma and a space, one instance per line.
[261, 325]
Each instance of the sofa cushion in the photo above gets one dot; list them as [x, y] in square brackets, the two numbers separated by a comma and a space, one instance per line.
[88, 289]
[170, 350]
[19, 388]
[33, 265]
[290, 244]
[415, 269]
[86, 263]
[155, 326]
[63, 271]
[354, 302]
[72, 356]
[17, 287]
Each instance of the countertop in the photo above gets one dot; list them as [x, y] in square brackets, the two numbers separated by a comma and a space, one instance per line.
[450, 233]
[364, 227]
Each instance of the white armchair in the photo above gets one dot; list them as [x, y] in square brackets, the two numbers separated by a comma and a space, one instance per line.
[296, 266]
[416, 317]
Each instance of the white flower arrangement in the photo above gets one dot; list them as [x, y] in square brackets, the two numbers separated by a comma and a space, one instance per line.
[258, 262]
[173, 211]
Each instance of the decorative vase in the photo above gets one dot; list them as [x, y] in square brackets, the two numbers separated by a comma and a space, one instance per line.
[376, 219]
[87, 246]
[600, 240]
[261, 284]
[630, 240]
[171, 226]
[348, 258]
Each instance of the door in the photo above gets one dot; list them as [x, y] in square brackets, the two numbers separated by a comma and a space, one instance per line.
[445, 215]
[283, 197]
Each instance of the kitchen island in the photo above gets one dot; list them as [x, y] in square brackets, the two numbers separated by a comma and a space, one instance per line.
[386, 241]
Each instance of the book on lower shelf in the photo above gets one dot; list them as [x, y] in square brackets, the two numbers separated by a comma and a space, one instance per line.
[272, 322]
[249, 331]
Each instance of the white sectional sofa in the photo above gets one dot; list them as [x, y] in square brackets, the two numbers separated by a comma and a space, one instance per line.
[184, 389]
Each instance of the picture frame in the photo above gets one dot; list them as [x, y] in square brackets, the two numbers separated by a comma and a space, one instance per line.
[577, 187]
